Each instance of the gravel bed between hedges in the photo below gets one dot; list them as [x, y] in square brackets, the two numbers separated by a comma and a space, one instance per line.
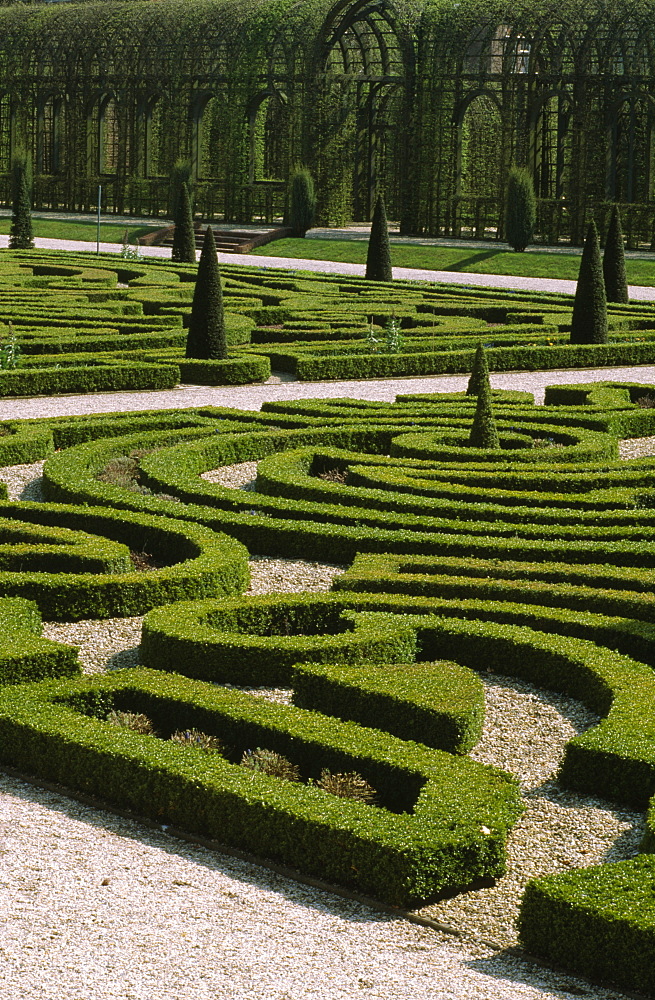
[187, 923]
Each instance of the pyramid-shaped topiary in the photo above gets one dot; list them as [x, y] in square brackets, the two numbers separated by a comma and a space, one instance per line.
[520, 209]
[378, 258]
[616, 282]
[206, 337]
[480, 374]
[184, 237]
[484, 433]
[589, 321]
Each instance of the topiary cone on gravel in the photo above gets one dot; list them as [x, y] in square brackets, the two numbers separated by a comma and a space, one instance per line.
[480, 374]
[206, 337]
[484, 433]
[378, 258]
[589, 321]
[616, 282]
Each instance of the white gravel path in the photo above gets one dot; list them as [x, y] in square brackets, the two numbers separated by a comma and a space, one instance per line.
[251, 397]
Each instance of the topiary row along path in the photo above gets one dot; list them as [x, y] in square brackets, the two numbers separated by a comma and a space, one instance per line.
[533, 559]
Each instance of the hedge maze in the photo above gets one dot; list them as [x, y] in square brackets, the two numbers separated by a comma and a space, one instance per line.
[536, 560]
[70, 327]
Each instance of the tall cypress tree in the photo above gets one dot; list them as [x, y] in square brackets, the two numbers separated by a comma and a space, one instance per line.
[184, 237]
[589, 321]
[520, 209]
[616, 282]
[480, 374]
[206, 337]
[20, 233]
[378, 258]
[484, 433]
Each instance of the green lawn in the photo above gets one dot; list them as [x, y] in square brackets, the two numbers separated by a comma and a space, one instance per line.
[532, 263]
[64, 229]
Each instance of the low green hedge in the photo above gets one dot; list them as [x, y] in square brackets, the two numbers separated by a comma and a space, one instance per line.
[615, 759]
[259, 641]
[439, 704]
[194, 562]
[234, 371]
[598, 922]
[111, 375]
[444, 825]
[24, 654]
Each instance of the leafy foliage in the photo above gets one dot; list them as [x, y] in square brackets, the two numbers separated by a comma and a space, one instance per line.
[20, 235]
[521, 209]
[378, 258]
[184, 238]
[302, 207]
[589, 321]
[616, 282]
[206, 337]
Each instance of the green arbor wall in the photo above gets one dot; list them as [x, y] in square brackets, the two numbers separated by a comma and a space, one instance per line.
[427, 101]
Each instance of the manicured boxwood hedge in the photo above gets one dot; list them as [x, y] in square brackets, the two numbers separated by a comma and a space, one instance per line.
[259, 640]
[312, 326]
[24, 654]
[445, 821]
[194, 561]
[440, 704]
[536, 560]
[597, 922]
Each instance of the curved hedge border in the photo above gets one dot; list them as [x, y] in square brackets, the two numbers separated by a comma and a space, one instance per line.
[450, 815]
[24, 654]
[540, 562]
[439, 704]
[196, 562]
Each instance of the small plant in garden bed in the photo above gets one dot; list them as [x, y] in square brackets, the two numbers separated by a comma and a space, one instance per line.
[201, 741]
[646, 402]
[137, 721]
[349, 785]
[143, 561]
[124, 472]
[335, 475]
[269, 762]
[10, 351]
[546, 443]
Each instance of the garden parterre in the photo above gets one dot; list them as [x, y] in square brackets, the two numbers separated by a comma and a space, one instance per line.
[121, 324]
[458, 556]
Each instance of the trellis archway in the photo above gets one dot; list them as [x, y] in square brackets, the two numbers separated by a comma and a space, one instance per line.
[362, 73]
[373, 95]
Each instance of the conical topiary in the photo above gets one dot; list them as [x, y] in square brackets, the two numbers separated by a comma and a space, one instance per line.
[616, 282]
[479, 375]
[520, 209]
[484, 433]
[206, 337]
[589, 321]
[20, 233]
[180, 174]
[302, 200]
[184, 237]
[378, 258]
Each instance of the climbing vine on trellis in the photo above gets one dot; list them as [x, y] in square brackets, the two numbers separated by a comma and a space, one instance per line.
[427, 102]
